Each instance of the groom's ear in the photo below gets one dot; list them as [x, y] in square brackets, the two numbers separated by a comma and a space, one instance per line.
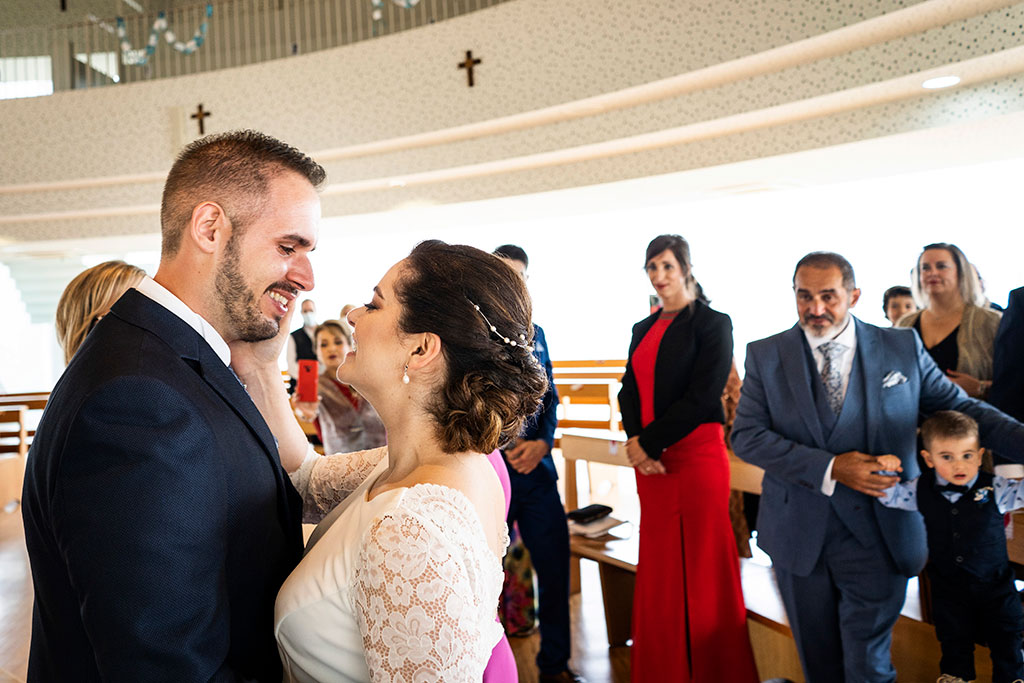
[427, 353]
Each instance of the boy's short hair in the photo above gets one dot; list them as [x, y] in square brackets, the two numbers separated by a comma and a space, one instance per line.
[897, 290]
[948, 424]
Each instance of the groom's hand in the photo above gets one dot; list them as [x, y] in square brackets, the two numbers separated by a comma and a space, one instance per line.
[858, 471]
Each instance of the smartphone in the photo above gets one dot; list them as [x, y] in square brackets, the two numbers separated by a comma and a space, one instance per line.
[309, 374]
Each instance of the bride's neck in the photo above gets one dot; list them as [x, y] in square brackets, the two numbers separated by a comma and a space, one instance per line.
[412, 442]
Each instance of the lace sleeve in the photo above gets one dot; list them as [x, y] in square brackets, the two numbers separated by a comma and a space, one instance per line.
[323, 481]
[424, 602]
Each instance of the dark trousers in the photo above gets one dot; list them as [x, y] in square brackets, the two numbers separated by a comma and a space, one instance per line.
[538, 509]
[842, 614]
[967, 610]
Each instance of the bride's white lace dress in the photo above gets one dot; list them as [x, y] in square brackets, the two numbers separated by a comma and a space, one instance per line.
[402, 587]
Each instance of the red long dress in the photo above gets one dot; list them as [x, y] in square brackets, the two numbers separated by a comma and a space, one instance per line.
[689, 620]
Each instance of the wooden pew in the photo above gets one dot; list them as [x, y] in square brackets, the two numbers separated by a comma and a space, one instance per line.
[18, 412]
[13, 449]
[588, 383]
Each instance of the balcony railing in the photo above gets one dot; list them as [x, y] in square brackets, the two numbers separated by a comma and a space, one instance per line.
[40, 61]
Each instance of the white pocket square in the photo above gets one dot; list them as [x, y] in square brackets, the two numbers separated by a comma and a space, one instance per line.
[893, 378]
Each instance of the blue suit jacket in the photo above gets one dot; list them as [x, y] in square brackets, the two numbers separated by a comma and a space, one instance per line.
[777, 428]
[541, 425]
[1007, 392]
[158, 519]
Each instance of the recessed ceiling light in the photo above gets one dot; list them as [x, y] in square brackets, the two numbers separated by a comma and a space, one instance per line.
[940, 82]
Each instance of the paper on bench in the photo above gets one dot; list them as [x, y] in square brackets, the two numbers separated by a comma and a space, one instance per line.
[594, 529]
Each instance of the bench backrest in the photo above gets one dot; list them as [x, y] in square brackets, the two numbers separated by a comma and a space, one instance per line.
[13, 449]
[33, 402]
[584, 385]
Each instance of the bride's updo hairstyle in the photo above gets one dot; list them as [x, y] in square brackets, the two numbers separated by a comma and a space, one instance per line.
[493, 385]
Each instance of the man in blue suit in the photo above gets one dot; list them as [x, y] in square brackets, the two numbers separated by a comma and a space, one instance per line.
[1007, 392]
[158, 519]
[538, 509]
[819, 402]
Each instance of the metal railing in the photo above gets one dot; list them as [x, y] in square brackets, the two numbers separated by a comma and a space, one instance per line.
[39, 61]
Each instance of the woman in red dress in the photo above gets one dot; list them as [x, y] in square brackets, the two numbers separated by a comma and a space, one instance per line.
[689, 620]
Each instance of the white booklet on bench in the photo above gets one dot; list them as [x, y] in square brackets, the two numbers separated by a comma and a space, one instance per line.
[594, 529]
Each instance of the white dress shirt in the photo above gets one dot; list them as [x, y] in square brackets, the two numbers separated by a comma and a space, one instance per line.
[160, 294]
[848, 338]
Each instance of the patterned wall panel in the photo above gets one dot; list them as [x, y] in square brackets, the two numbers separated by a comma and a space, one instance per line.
[535, 54]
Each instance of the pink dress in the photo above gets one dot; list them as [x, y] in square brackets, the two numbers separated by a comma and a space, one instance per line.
[501, 668]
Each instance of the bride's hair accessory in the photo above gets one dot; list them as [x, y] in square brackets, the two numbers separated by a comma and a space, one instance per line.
[506, 340]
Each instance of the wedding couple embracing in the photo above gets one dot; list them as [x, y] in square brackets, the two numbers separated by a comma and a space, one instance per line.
[168, 478]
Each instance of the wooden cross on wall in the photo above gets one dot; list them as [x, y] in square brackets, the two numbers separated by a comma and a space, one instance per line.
[468, 66]
[199, 116]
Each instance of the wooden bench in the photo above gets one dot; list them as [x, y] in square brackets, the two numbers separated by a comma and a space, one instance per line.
[13, 449]
[18, 412]
[588, 383]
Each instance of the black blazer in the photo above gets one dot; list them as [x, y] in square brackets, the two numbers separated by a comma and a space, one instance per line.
[158, 519]
[690, 372]
[1007, 392]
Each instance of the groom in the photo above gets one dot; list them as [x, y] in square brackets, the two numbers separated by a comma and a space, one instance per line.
[819, 402]
[158, 519]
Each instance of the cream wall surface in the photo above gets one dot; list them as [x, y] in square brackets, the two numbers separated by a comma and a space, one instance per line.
[535, 54]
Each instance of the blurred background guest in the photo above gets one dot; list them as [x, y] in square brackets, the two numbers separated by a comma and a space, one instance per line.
[88, 298]
[689, 619]
[955, 323]
[897, 302]
[345, 421]
[537, 509]
[1007, 391]
[300, 343]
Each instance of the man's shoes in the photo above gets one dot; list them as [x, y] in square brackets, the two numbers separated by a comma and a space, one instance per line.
[950, 678]
[566, 676]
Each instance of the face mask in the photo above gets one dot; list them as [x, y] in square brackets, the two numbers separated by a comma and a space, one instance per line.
[309, 319]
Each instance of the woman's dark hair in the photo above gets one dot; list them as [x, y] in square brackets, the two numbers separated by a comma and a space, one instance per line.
[492, 386]
[895, 290]
[680, 248]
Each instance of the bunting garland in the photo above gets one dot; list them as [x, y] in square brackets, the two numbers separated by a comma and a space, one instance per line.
[131, 55]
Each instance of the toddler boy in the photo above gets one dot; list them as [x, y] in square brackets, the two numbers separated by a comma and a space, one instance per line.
[973, 593]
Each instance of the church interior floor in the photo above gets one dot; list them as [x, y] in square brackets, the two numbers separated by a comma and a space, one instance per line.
[591, 655]
[15, 598]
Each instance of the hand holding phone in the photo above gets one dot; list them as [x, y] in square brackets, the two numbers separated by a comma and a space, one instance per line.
[309, 375]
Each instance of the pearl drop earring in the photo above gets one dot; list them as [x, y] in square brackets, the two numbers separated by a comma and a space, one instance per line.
[405, 375]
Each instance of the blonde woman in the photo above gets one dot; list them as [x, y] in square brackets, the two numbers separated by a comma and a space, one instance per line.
[88, 298]
[956, 325]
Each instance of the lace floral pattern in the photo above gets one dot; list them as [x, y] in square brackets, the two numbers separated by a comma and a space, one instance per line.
[426, 590]
[323, 481]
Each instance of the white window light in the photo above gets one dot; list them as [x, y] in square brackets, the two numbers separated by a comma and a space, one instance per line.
[940, 82]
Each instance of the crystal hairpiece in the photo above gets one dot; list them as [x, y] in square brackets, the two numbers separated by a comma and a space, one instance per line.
[507, 340]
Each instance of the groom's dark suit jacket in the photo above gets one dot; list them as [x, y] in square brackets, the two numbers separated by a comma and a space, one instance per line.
[158, 519]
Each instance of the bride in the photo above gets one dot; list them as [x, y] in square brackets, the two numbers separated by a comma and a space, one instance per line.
[400, 580]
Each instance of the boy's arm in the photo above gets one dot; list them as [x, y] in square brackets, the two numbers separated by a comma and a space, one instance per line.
[901, 496]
